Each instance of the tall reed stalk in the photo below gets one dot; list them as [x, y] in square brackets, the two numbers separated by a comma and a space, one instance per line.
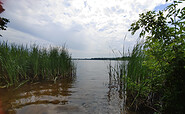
[134, 77]
[134, 80]
[136, 71]
[20, 64]
[138, 80]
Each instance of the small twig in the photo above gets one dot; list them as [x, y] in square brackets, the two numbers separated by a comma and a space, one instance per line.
[21, 84]
[152, 108]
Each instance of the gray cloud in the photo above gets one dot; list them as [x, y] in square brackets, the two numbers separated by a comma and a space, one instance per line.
[89, 28]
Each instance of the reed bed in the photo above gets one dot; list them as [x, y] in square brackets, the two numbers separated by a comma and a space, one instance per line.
[20, 64]
[139, 85]
[135, 78]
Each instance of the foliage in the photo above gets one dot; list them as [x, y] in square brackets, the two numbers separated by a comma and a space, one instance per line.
[3, 21]
[139, 82]
[156, 75]
[19, 64]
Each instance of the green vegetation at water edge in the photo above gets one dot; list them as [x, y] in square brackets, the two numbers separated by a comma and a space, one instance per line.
[155, 74]
[19, 64]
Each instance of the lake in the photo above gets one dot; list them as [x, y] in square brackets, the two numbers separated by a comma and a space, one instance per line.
[91, 91]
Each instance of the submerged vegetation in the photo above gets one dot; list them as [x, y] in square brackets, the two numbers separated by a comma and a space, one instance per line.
[154, 78]
[20, 64]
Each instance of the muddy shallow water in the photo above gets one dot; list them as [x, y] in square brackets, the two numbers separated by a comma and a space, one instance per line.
[90, 91]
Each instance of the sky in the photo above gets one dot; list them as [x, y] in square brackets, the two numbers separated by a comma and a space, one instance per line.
[88, 28]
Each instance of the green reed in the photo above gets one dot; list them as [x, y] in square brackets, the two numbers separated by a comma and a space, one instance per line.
[133, 76]
[134, 80]
[19, 64]
[135, 69]
[138, 80]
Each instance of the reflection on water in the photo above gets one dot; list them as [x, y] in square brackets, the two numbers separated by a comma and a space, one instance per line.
[116, 84]
[93, 90]
[36, 95]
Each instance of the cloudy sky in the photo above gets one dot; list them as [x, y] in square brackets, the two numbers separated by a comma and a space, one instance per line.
[89, 28]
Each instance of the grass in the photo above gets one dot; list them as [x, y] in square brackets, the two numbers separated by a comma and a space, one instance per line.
[135, 80]
[20, 64]
[136, 71]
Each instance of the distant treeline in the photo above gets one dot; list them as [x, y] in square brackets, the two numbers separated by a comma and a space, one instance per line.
[117, 58]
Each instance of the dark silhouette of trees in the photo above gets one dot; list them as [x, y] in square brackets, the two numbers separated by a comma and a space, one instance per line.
[3, 21]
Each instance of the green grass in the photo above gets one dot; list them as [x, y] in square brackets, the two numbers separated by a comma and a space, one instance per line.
[136, 80]
[140, 85]
[19, 64]
[136, 71]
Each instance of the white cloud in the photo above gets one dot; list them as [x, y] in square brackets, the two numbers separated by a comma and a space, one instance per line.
[14, 36]
[88, 27]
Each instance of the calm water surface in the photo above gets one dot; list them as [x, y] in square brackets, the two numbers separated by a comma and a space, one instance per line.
[90, 91]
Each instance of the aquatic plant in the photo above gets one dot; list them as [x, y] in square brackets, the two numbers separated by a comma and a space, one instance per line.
[20, 64]
[137, 80]
[155, 72]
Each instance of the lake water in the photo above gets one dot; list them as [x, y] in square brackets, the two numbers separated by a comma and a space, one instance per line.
[91, 91]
